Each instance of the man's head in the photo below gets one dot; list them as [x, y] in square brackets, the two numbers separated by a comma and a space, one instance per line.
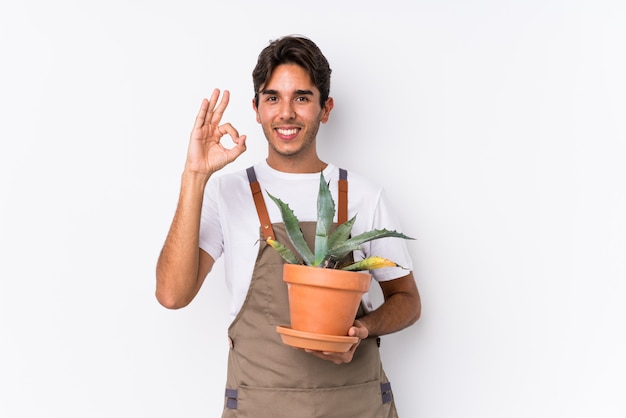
[293, 50]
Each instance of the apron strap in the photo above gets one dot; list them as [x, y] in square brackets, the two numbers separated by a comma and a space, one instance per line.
[261, 209]
[342, 214]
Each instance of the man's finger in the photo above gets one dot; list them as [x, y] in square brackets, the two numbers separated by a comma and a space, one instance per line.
[201, 116]
[218, 112]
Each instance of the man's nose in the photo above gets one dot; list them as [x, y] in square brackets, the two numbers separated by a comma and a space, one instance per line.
[287, 110]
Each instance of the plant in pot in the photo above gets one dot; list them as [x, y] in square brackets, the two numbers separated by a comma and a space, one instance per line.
[325, 286]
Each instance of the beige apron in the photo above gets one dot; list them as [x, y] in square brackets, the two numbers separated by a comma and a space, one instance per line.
[268, 379]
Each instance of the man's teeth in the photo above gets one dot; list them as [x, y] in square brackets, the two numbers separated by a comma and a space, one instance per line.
[287, 131]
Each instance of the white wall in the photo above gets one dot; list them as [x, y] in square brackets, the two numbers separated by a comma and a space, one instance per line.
[498, 127]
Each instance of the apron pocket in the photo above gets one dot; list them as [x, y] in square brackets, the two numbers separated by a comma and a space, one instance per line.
[275, 297]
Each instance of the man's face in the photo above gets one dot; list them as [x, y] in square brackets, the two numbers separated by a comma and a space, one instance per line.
[290, 113]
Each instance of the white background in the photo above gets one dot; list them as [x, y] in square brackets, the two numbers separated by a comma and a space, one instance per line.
[497, 127]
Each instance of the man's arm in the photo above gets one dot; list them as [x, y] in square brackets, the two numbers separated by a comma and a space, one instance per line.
[182, 265]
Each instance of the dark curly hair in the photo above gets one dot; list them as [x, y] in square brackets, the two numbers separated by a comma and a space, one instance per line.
[293, 49]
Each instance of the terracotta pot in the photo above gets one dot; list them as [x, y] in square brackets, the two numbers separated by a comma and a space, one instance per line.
[324, 301]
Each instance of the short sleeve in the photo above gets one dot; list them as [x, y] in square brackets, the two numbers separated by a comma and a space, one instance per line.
[211, 237]
[394, 249]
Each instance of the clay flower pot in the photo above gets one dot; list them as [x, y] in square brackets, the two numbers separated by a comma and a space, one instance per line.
[324, 301]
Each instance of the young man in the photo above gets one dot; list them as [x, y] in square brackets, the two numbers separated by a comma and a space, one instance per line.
[267, 378]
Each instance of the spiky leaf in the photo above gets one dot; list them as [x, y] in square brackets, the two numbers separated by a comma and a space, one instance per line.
[354, 243]
[292, 225]
[284, 252]
[341, 234]
[325, 214]
[371, 263]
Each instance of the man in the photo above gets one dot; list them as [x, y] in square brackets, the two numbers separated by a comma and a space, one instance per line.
[213, 218]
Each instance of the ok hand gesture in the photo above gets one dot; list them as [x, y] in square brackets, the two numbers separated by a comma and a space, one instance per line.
[206, 153]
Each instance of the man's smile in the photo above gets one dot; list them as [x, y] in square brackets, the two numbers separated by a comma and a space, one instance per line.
[287, 133]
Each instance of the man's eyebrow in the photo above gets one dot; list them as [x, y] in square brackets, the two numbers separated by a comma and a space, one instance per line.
[297, 92]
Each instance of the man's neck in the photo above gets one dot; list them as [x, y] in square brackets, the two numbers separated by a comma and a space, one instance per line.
[296, 165]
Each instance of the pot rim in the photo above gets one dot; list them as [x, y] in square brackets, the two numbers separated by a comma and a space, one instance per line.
[323, 277]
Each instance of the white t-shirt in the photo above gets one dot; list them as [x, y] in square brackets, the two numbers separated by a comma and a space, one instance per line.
[230, 225]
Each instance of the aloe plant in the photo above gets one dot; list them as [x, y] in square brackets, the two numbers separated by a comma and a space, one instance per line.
[331, 249]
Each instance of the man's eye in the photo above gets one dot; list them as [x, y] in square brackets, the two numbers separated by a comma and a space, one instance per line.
[271, 98]
[302, 99]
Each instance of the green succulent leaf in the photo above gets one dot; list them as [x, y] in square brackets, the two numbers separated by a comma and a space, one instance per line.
[341, 234]
[292, 225]
[342, 249]
[325, 214]
[371, 263]
[284, 252]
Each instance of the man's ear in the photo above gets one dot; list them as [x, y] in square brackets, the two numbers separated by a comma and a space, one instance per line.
[328, 106]
[256, 110]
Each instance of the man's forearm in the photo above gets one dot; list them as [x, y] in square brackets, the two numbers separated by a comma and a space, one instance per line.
[402, 308]
[177, 267]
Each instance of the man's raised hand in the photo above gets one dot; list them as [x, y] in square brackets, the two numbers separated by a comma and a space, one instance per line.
[206, 153]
